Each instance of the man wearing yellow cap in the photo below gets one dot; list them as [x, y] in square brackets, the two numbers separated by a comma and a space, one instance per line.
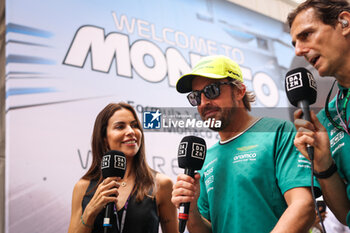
[252, 180]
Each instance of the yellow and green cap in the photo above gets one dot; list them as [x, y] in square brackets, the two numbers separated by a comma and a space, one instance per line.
[213, 67]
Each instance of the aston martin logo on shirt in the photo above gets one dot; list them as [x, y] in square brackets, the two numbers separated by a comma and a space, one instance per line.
[246, 148]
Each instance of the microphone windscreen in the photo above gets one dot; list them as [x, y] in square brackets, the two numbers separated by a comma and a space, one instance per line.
[300, 85]
[113, 164]
[191, 153]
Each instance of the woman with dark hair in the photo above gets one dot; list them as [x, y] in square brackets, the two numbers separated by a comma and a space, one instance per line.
[142, 198]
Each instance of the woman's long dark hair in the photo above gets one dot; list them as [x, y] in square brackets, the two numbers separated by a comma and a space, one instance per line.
[144, 179]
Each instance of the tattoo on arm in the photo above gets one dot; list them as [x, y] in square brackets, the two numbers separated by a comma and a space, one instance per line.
[165, 220]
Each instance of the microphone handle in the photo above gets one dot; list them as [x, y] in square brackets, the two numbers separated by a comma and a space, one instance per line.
[183, 216]
[107, 224]
[189, 172]
[305, 107]
[185, 207]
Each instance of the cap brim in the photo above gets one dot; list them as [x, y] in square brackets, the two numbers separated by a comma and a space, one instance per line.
[184, 84]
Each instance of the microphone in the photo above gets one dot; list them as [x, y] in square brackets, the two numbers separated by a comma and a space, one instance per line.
[301, 90]
[113, 164]
[191, 156]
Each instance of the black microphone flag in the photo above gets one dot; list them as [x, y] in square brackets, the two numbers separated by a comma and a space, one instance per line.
[301, 91]
[191, 156]
[113, 164]
[300, 86]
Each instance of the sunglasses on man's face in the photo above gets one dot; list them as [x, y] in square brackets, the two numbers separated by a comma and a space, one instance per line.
[211, 91]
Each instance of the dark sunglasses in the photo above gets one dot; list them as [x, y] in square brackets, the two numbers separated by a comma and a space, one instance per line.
[211, 91]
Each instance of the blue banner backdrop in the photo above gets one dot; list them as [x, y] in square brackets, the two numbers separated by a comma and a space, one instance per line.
[67, 59]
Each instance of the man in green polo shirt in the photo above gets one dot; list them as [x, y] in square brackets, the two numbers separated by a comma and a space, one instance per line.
[252, 180]
[320, 32]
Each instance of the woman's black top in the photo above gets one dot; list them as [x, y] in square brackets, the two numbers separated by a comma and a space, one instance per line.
[141, 217]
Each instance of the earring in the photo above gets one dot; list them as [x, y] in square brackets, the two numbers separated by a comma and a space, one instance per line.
[344, 23]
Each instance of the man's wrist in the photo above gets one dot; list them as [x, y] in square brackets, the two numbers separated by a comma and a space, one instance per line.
[194, 209]
[323, 163]
[328, 172]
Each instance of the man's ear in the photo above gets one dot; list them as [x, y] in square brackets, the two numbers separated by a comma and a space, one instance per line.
[344, 20]
[240, 91]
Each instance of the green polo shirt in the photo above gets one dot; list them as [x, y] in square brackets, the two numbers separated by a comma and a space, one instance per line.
[339, 140]
[243, 180]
